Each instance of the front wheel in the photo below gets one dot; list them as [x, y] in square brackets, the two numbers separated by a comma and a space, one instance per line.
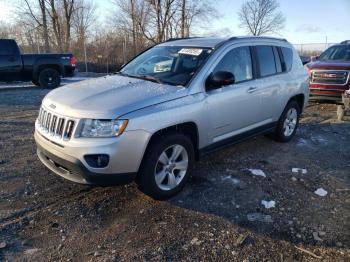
[288, 122]
[166, 167]
[49, 78]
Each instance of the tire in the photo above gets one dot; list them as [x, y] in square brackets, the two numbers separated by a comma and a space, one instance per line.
[152, 164]
[288, 123]
[49, 78]
[36, 83]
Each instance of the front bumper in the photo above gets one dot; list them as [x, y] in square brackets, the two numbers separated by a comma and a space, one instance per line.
[325, 96]
[67, 159]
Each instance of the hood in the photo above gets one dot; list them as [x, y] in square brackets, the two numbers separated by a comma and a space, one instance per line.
[329, 65]
[109, 97]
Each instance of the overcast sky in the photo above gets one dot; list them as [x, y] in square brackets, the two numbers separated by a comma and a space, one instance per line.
[308, 21]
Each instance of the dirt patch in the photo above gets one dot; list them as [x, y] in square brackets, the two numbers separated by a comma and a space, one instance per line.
[218, 216]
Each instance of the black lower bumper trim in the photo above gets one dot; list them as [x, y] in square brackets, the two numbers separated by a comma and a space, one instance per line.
[325, 98]
[74, 170]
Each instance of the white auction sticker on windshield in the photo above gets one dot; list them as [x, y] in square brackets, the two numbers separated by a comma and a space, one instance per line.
[191, 51]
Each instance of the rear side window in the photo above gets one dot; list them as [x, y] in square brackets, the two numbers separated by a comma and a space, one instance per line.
[238, 61]
[277, 60]
[288, 58]
[6, 47]
[266, 60]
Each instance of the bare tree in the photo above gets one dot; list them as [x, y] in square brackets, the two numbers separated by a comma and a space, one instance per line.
[259, 17]
[149, 22]
[132, 18]
[40, 18]
[61, 13]
[183, 17]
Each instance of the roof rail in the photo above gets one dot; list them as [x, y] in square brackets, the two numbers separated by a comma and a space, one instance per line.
[266, 37]
[252, 37]
[225, 41]
[345, 42]
[180, 38]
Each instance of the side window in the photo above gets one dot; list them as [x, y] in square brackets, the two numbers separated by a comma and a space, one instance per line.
[288, 57]
[266, 60]
[277, 60]
[6, 48]
[238, 61]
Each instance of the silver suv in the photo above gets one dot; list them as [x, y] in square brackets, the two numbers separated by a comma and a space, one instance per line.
[167, 107]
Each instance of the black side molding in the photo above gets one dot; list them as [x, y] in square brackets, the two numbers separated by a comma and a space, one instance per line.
[237, 138]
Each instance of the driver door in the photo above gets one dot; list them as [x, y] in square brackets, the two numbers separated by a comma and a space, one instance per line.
[235, 108]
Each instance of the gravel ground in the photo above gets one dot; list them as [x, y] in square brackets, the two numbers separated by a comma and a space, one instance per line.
[218, 217]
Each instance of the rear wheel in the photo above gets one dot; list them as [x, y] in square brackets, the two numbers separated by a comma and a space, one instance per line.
[49, 78]
[166, 167]
[288, 122]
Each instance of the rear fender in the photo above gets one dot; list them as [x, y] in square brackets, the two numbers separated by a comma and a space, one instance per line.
[44, 63]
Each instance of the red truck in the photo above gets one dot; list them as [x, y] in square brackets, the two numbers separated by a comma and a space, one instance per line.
[330, 73]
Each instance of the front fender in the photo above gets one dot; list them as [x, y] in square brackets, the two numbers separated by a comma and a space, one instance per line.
[183, 110]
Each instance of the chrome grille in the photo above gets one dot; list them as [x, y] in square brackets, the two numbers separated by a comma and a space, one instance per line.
[55, 125]
[330, 77]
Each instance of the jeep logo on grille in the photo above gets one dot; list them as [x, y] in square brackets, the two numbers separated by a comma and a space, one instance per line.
[52, 106]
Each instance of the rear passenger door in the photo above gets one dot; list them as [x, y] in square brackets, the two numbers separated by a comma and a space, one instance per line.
[269, 80]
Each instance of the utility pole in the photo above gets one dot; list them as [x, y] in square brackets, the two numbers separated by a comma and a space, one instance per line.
[85, 57]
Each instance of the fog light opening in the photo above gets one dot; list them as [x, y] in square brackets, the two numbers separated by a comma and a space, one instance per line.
[97, 161]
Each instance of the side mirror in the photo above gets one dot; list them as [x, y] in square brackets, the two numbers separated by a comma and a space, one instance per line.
[314, 58]
[219, 79]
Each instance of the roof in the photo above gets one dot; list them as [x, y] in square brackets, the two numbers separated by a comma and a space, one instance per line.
[212, 42]
[209, 42]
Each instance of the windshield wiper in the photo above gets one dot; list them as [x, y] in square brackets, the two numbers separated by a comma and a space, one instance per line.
[145, 77]
[150, 78]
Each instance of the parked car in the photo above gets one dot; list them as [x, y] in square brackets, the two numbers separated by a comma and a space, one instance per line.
[329, 73]
[151, 128]
[43, 70]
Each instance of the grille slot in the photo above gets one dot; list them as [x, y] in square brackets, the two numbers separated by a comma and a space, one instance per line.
[55, 125]
[60, 126]
[69, 129]
[330, 77]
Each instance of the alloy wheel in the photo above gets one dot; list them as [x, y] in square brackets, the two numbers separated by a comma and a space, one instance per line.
[171, 167]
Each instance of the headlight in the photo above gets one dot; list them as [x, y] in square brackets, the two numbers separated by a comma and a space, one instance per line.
[103, 128]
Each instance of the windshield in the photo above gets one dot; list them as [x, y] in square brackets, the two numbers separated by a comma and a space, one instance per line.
[340, 53]
[172, 65]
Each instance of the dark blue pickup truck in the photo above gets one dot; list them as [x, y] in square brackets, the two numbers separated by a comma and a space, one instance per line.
[43, 70]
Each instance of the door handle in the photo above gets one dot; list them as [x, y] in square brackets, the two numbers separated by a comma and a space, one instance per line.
[252, 89]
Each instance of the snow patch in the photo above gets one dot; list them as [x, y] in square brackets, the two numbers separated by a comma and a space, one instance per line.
[299, 170]
[302, 142]
[319, 140]
[259, 217]
[321, 192]
[257, 172]
[231, 179]
[268, 204]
